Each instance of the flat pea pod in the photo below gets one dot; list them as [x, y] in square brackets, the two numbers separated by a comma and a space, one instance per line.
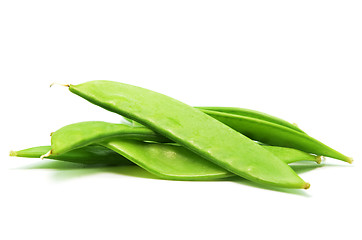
[89, 155]
[72, 136]
[271, 133]
[244, 112]
[276, 135]
[287, 155]
[167, 161]
[192, 129]
[175, 162]
[67, 135]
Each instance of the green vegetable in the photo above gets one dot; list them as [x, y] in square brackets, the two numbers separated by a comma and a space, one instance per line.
[167, 161]
[252, 114]
[91, 154]
[277, 135]
[242, 112]
[174, 162]
[271, 133]
[178, 142]
[72, 136]
[164, 160]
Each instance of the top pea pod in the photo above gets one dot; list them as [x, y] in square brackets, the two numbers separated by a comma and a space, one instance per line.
[192, 129]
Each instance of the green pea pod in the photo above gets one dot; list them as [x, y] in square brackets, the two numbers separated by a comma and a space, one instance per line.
[91, 154]
[78, 135]
[243, 112]
[192, 129]
[275, 134]
[253, 114]
[167, 161]
[174, 162]
[267, 131]
[72, 136]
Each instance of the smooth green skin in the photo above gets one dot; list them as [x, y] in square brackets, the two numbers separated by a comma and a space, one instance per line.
[72, 136]
[88, 136]
[91, 154]
[192, 129]
[276, 135]
[163, 160]
[241, 112]
[269, 130]
[252, 114]
[291, 155]
[174, 162]
[167, 161]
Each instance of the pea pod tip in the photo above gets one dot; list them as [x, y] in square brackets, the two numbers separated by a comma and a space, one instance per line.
[12, 153]
[306, 185]
[350, 160]
[319, 159]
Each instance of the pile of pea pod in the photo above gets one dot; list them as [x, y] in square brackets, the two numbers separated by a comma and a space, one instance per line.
[175, 141]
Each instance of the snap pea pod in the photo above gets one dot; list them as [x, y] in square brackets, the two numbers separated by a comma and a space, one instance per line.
[277, 135]
[91, 154]
[243, 112]
[192, 129]
[78, 135]
[175, 162]
[167, 161]
[272, 133]
[69, 139]
[72, 136]
[253, 114]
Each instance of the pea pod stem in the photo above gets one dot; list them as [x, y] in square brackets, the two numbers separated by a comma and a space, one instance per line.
[55, 83]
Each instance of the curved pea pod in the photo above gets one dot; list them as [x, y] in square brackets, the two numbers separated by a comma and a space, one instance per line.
[243, 112]
[174, 162]
[253, 114]
[84, 130]
[167, 161]
[192, 129]
[91, 154]
[72, 136]
[277, 135]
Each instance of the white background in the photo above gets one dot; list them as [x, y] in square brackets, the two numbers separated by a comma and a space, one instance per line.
[298, 60]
